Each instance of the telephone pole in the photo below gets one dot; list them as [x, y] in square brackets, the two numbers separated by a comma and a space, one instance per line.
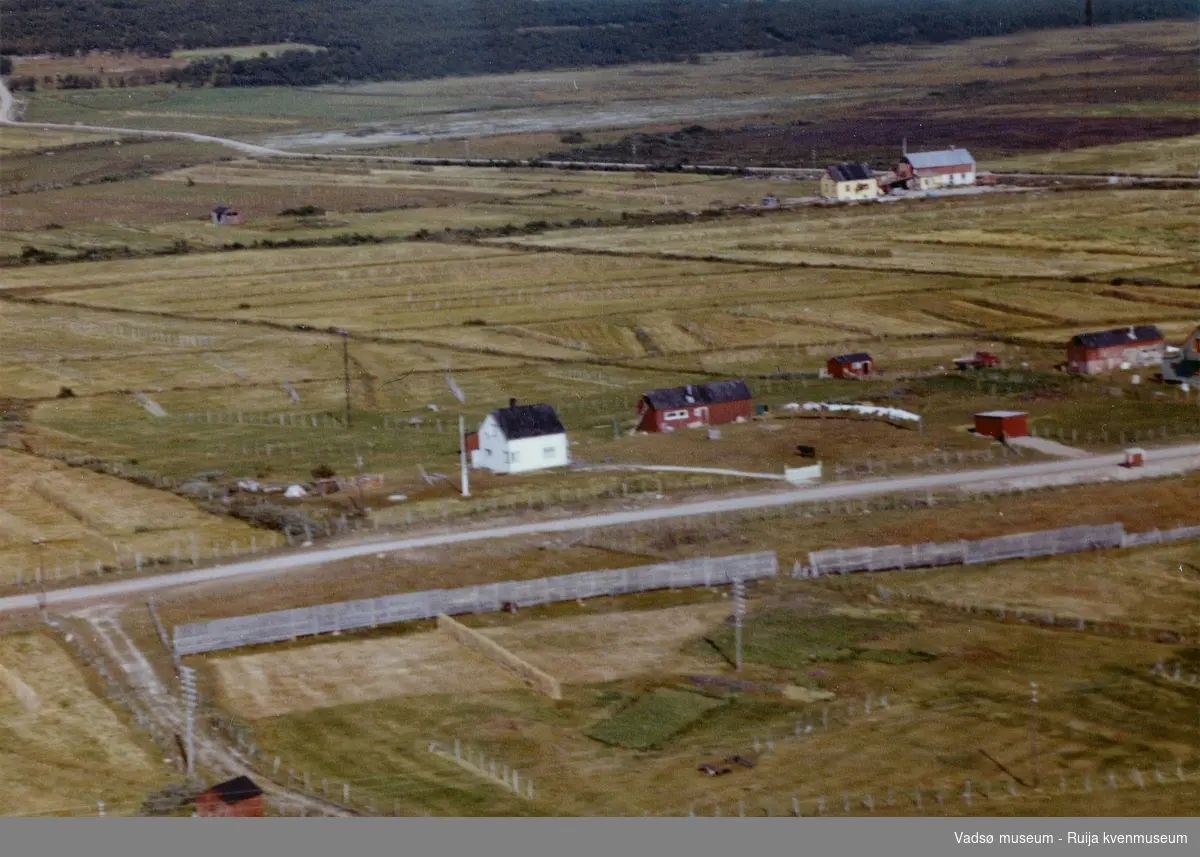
[346, 370]
[739, 610]
[462, 455]
[1033, 699]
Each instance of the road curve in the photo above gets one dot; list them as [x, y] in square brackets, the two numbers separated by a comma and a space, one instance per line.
[1096, 468]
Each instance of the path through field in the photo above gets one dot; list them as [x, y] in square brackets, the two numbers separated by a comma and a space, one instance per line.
[165, 708]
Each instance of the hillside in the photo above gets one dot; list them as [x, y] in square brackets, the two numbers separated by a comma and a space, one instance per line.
[406, 39]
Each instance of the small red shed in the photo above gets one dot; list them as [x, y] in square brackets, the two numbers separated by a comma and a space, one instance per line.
[857, 365]
[472, 441]
[1002, 424]
[236, 798]
[706, 404]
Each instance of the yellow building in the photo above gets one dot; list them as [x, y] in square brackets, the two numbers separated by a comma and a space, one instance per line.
[849, 182]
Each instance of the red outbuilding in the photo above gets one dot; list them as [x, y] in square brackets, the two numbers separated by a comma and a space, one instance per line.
[1002, 424]
[236, 798]
[1106, 350]
[857, 365]
[704, 404]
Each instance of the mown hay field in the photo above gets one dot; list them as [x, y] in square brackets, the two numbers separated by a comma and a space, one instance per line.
[59, 521]
[1178, 156]
[993, 235]
[72, 750]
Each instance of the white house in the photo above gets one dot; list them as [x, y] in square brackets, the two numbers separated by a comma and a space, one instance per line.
[521, 438]
[931, 170]
[1183, 366]
[849, 181]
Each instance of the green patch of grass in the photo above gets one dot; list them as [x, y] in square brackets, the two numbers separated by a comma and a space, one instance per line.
[787, 638]
[653, 719]
[242, 52]
[894, 656]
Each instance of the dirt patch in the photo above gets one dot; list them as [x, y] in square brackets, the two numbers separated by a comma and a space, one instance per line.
[323, 676]
[580, 650]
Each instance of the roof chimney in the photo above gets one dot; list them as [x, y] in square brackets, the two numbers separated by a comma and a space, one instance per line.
[512, 403]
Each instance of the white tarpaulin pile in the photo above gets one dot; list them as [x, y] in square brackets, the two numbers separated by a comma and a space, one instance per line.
[865, 410]
[295, 491]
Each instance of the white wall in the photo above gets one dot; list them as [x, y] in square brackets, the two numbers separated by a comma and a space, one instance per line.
[500, 455]
[538, 453]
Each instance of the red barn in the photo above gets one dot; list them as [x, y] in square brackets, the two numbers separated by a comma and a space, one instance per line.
[1002, 424]
[1106, 350]
[707, 404]
[236, 798]
[857, 365]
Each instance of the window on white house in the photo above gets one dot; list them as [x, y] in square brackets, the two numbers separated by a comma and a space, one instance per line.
[548, 452]
[515, 456]
[675, 415]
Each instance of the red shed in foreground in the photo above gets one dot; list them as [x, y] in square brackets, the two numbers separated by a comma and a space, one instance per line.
[236, 798]
[857, 365]
[1002, 424]
[706, 404]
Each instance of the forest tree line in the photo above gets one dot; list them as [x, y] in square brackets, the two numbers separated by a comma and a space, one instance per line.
[409, 39]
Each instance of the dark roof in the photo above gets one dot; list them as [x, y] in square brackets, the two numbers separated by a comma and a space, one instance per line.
[856, 357]
[236, 790]
[699, 394]
[850, 172]
[221, 209]
[520, 421]
[1118, 336]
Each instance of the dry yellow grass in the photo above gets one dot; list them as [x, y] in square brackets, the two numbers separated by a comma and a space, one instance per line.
[70, 751]
[1178, 156]
[578, 651]
[18, 140]
[79, 517]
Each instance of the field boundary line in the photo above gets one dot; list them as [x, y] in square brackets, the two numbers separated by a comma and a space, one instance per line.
[500, 656]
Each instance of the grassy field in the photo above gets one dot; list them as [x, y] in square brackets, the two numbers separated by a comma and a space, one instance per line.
[589, 318]
[60, 522]
[67, 750]
[819, 655]
[1175, 157]
[241, 52]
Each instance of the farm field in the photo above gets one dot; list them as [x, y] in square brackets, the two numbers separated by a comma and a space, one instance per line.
[59, 521]
[136, 338]
[1172, 157]
[159, 206]
[63, 748]
[1097, 694]
[587, 319]
[988, 236]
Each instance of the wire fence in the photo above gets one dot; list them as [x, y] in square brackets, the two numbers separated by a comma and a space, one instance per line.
[1016, 546]
[283, 625]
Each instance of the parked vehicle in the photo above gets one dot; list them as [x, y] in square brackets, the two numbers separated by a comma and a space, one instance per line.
[978, 360]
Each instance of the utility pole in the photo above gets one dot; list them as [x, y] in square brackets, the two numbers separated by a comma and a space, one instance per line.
[187, 683]
[462, 455]
[1033, 729]
[739, 610]
[346, 370]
